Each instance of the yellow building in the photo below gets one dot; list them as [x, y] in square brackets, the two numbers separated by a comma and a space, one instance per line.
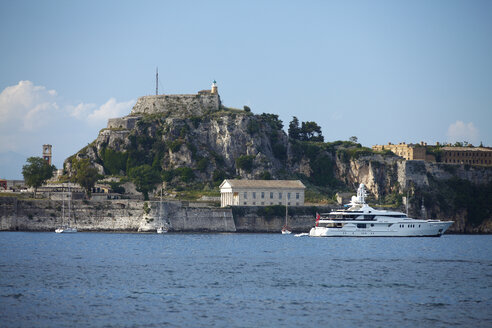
[467, 155]
[407, 151]
[451, 155]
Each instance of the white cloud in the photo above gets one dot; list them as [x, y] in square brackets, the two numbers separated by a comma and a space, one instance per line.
[26, 105]
[110, 109]
[32, 115]
[81, 111]
[460, 131]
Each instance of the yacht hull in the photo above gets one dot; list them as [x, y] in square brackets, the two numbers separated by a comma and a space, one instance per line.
[403, 229]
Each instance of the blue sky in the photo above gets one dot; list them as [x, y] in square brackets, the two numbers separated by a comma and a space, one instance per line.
[384, 71]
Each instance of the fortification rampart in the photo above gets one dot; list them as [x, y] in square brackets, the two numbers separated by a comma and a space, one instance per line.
[127, 122]
[186, 105]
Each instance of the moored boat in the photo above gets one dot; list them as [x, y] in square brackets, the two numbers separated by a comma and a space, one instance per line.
[361, 220]
[286, 230]
[66, 228]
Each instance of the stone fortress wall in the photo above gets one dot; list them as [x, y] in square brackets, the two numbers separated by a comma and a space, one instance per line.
[184, 105]
[187, 105]
[127, 122]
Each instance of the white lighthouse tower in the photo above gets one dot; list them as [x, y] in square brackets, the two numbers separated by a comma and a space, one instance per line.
[214, 87]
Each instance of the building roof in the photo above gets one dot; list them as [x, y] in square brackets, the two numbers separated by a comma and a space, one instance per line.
[294, 184]
[466, 149]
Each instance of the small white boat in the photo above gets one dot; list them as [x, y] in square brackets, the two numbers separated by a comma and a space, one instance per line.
[361, 220]
[286, 230]
[162, 228]
[66, 228]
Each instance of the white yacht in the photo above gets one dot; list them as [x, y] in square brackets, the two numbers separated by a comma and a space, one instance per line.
[361, 220]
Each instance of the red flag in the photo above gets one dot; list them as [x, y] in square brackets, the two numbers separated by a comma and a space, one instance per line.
[317, 218]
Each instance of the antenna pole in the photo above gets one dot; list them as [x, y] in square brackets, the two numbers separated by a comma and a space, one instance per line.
[156, 81]
[407, 202]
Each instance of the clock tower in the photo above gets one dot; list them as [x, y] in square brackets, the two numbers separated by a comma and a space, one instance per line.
[47, 153]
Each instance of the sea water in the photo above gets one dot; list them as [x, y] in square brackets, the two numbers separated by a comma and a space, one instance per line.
[243, 280]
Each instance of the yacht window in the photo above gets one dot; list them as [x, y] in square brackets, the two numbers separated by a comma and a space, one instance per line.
[361, 225]
[372, 224]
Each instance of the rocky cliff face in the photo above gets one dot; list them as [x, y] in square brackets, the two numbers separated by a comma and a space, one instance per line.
[195, 142]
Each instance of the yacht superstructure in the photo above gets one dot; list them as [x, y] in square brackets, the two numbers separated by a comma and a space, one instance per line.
[361, 220]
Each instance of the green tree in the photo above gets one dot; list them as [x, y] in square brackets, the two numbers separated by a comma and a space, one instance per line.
[114, 162]
[294, 130]
[85, 174]
[353, 139]
[245, 162]
[145, 178]
[310, 131]
[37, 172]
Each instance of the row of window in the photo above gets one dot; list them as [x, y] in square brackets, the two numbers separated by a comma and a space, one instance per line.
[468, 161]
[408, 226]
[271, 195]
[271, 203]
[477, 154]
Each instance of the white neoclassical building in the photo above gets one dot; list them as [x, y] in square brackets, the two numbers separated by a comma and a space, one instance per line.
[261, 192]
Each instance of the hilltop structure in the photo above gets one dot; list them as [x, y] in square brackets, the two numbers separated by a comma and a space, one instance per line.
[190, 104]
[467, 155]
[451, 155]
[407, 151]
[181, 105]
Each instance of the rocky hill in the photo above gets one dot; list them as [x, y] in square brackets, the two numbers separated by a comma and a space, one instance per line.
[194, 142]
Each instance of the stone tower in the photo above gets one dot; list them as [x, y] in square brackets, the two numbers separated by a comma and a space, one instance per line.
[47, 153]
[214, 87]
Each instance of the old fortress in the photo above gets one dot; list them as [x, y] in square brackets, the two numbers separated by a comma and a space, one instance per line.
[446, 154]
